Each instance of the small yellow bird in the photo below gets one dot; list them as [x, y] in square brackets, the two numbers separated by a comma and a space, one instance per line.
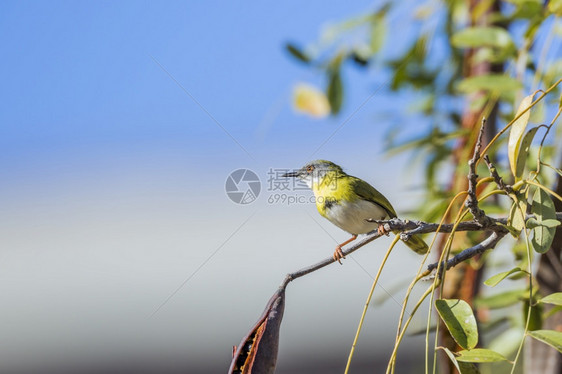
[348, 202]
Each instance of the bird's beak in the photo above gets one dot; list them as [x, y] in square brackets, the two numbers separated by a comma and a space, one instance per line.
[292, 174]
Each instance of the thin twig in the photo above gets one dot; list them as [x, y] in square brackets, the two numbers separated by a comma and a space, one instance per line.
[472, 201]
[408, 228]
[468, 253]
[497, 178]
[319, 265]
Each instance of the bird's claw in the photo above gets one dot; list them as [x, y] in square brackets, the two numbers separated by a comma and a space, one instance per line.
[382, 231]
[338, 255]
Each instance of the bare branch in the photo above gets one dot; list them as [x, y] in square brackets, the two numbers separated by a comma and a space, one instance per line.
[319, 265]
[472, 201]
[468, 253]
[497, 178]
[407, 228]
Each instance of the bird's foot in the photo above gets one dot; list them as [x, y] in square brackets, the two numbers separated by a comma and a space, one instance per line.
[338, 254]
[381, 230]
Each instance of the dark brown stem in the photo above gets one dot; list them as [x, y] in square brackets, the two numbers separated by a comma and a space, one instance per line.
[472, 201]
[497, 178]
[468, 253]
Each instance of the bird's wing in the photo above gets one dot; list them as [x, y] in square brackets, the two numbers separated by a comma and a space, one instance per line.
[369, 193]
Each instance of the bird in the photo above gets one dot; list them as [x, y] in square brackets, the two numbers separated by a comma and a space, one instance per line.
[349, 202]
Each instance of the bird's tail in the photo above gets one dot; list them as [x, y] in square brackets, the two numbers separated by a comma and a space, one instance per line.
[417, 244]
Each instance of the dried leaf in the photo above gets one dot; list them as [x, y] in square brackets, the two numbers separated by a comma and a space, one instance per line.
[257, 352]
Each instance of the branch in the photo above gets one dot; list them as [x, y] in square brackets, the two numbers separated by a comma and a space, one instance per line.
[468, 253]
[499, 180]
[319, 265]
[407, 228]
[472, 201]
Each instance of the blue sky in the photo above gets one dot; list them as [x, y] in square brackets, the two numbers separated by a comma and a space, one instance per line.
[80, 80]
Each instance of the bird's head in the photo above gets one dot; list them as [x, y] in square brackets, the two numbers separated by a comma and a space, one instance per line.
[317, 173]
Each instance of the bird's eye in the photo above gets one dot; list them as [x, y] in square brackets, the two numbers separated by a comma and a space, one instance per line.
[310, 168]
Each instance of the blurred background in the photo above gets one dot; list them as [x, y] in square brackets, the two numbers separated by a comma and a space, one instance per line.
[121, 251]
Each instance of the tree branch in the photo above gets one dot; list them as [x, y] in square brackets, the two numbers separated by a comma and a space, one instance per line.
[497, 178]
[472, 201]
[468, 253]
[407, 228]
[319, 265]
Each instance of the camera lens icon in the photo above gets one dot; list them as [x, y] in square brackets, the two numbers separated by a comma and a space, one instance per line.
[243, 186]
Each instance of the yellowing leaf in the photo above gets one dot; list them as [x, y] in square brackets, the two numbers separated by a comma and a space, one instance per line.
[309, 100]
[516, 134]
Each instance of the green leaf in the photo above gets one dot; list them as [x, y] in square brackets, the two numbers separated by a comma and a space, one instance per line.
[480, 355]
[297, 53]
[524, 151]
[516, 133]
[495, 279]
[489, 82]
[451, 357]
[502, 299]
[335, 91]
[460, 321]
[514, 232]
[517, 212]
[471, 37]
[552, 338]
[550, 223]
[544, 210]
[553, 298]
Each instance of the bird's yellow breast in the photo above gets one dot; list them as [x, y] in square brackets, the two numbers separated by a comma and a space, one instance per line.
[332, 190]
[337, 200]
